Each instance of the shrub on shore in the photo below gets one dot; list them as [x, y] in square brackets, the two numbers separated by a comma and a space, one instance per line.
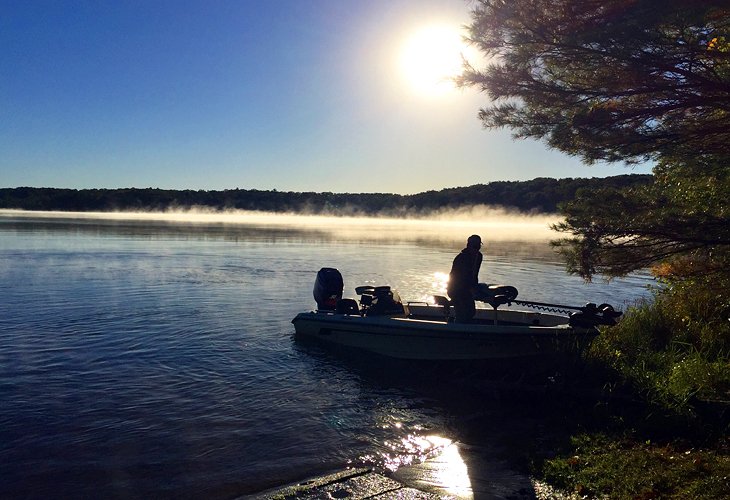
[675, 350]
[665, 373]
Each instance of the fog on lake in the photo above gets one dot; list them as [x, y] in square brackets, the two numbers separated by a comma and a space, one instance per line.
[152, 354]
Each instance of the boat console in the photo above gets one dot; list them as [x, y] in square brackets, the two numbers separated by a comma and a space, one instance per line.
[379, 301]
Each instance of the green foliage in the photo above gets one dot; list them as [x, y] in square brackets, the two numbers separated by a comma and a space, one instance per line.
[682, 221]
[621, 81]
[621, 468]
[676, 349]
[665, 404]
[607, 79]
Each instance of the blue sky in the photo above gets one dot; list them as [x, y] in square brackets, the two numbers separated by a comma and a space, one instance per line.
[294, 95]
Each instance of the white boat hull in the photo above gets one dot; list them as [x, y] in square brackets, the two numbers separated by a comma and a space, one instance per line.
[425, 336]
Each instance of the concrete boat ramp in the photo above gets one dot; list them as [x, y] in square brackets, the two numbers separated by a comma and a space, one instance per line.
[365, 483]
[476, 475]
[351, 484]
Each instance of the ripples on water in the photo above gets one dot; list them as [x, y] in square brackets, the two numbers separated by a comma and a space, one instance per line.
[146, 359]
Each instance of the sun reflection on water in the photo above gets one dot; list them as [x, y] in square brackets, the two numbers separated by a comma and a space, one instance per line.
[409, 450]
[440, 281]
[450, 473]
[427, 461]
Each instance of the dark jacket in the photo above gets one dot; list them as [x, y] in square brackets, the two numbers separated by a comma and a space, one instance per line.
[464, 275]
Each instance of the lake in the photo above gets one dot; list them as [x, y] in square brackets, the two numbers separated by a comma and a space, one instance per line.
[152, 355]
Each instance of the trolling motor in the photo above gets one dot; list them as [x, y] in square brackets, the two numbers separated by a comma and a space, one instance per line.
[591, 315]
[588, 316]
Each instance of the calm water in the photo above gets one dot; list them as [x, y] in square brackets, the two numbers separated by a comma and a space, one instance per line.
[148, 358]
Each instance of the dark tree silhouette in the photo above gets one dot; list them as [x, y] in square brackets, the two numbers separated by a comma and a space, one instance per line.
[621, 80]
[611, 80]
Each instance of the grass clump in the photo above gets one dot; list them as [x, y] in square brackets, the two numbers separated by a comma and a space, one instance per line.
[663, 379]
[674, 350]
[599, 465]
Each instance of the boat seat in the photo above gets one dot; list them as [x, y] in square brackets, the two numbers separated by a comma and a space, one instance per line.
[365, 290]
[440, 300]
[444, 302]
[495, 295]
[347, 306]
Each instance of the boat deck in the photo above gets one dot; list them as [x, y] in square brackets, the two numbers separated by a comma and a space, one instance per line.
[484, 316]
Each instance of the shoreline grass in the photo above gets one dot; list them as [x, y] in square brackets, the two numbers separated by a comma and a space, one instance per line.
[624, 467]
[661, 416]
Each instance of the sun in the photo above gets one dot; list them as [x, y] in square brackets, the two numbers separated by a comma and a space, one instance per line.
[430, 58]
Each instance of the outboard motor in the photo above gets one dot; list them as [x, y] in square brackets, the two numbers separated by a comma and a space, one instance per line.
[328, 288]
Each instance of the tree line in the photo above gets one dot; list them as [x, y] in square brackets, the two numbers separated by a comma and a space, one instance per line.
[541, 195]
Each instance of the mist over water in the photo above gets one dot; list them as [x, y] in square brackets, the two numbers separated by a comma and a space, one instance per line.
[445, 225]
[151, 355]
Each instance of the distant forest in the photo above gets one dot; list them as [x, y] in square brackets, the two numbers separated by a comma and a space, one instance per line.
[541, 195]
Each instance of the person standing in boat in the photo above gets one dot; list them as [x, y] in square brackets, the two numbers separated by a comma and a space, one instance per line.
[463, 280]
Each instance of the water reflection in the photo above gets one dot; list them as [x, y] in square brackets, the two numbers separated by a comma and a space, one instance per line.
[160, 351]
[446, 473]
[444, 432]
[432, 463]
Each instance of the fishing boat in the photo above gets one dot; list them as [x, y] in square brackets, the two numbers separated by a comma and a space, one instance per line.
[381, 323]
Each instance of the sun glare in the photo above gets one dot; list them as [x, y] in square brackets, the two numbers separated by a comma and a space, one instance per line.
[430, 58]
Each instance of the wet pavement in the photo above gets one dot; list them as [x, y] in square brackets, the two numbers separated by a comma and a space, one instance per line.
[350, 483]
[467, 472]
[443, 477]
